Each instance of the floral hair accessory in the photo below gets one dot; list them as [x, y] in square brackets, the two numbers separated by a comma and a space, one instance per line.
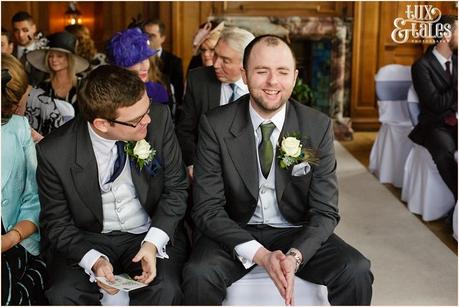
[291, 152]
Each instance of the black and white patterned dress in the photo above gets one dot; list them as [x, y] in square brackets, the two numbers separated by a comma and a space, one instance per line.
[45, 111]
[23, 277]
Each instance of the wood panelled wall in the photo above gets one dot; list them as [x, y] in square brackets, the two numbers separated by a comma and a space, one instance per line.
[372, 45]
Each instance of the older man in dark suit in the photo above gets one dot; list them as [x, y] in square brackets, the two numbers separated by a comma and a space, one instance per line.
[257, 203]
[210, 87]
[435, 81]
[112, 188]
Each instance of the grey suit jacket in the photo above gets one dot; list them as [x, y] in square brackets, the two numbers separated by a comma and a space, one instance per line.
[226, 177]
[201, 95]
[70, 195]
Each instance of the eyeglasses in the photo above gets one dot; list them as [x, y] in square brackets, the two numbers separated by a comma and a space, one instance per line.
[130, 124]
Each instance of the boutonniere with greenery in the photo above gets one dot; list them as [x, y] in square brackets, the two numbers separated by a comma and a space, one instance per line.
[292, 152]
[140, 152]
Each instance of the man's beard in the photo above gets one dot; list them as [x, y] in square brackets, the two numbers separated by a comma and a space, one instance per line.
[265, 106]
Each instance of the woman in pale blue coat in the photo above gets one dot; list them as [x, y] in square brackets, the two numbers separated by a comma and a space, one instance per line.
[22, 268]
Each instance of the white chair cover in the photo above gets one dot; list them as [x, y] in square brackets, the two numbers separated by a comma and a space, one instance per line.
[388, 154]
[423, 189]
[257, 289]
[455, 222]
[413, 105]
[254, 289]
[119, 299]
[392, 145]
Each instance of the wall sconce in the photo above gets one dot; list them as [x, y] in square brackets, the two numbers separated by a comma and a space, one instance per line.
[73, 14]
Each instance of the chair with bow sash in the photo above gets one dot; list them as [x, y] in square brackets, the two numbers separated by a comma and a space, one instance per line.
[392, 145]
[423, 189]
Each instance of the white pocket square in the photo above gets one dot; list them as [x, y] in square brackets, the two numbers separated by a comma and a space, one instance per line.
[301, 169]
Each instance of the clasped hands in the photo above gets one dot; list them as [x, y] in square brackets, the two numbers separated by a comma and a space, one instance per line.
[281, 269]
[147, 257]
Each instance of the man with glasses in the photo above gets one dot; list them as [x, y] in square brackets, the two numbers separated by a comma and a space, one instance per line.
[113, 193]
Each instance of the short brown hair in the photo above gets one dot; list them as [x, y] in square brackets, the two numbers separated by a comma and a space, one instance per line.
[159, 22]
[15, 88]
[268, 40]
[106, 89]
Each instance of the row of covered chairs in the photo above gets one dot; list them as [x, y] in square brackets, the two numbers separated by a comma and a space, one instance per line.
[394, 158]
[254, 289]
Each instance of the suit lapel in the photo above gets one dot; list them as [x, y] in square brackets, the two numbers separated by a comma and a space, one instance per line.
[454, 58]
[241, 148]
[84, 172]
[283, 176]
[140, 179]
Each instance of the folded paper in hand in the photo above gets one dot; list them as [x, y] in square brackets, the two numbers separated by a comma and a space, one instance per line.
[122, 282]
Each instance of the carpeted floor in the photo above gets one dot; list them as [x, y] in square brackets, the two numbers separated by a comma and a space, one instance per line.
[411, 266]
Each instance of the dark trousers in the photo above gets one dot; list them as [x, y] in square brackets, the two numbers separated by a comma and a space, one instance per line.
[337, 265]
[441, 142]
[70, 285]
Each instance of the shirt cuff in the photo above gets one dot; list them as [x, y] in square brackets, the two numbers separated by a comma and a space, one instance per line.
[87, 262]
[159, 239]
[246, 251]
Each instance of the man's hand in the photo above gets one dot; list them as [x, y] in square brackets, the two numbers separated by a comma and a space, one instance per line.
[288, 268]
[147, 258]
[103, 268]
[271, 261]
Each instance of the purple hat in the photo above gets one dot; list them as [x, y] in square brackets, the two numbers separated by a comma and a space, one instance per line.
[128, 48]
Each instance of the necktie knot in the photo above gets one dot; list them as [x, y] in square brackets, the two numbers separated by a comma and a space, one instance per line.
[265, 150]
[266, 130]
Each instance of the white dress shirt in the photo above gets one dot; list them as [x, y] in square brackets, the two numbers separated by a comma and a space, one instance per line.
[121, 208]
[20, 49]
[225, 91]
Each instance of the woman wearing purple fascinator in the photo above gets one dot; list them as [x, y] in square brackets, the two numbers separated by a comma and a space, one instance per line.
[130, 49]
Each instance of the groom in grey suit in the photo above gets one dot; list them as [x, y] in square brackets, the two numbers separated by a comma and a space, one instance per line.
[251, 209]
[112, 189]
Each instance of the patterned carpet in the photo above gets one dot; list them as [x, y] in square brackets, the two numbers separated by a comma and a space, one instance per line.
[410, 264]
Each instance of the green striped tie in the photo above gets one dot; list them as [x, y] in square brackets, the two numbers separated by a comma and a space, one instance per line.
[265, 149]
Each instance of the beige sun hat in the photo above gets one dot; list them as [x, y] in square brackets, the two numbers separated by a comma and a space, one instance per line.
[207, 33]
[63, 42]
